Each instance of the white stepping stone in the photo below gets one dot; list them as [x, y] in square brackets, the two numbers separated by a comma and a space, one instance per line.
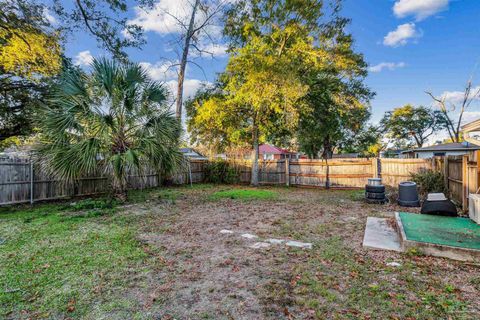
[394, 264]
[225, 231]
[260, 245]
[276, 241]
[249, 236]
[299, 244]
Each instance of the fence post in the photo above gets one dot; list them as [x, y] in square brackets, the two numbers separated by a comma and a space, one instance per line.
[464, 182]
[31, 181]
[446, 172]
[287, 172]
[374, 168]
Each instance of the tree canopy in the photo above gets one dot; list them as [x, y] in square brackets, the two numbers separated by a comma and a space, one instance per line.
[412, 124]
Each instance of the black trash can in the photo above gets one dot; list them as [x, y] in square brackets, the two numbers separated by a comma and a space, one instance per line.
[408, 194]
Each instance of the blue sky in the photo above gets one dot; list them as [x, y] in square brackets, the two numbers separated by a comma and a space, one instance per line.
[410, 45]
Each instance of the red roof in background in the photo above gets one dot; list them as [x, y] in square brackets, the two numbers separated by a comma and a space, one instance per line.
[266, 148]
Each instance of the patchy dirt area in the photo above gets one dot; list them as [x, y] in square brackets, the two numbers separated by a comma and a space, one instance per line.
[205, 274]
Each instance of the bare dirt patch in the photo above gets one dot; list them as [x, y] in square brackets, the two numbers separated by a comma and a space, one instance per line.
[205, 274]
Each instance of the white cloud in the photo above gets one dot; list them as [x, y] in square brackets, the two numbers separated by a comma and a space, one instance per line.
[421, 9]
[469, 116]
[50, 17]
[170, 16]
[83, 58]
[401, 35]
[165, 16]
[386, 65]
[212, 50]
[159, 71]
[160, 18]
[456, 97]
[190, 87]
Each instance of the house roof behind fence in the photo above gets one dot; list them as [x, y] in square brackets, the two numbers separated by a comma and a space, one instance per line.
[454, 146]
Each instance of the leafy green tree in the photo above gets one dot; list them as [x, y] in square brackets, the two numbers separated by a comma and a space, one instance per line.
[272, 45]
[367, 142]
[337, 100]
[110, 121]
[31, 50]
[30, 54]
[412, 124]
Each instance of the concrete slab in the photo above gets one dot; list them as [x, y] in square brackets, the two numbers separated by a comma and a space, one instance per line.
[379, 234]
[299, 244]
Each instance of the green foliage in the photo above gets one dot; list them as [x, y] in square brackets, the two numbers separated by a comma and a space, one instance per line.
[412, 124]
[244, 194]
[113, 121]
[30, 57]
[337, 100]
[221, 171]
[429, 181]
[367, 142]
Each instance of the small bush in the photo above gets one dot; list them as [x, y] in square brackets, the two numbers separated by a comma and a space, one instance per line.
[429, 181]
[221, 171]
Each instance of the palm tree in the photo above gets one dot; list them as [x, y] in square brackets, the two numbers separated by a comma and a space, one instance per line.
[112, 121]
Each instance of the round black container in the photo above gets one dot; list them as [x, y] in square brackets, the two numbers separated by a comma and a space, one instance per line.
[408, 194]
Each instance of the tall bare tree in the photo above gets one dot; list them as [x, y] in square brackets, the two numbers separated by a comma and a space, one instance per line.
[449, 107]
[196, 35]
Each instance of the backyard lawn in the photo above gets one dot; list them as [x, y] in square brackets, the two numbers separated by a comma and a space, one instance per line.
[162, 256]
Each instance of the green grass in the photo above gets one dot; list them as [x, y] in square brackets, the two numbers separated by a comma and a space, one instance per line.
[59, 261]
[244, 194]
[334, 278]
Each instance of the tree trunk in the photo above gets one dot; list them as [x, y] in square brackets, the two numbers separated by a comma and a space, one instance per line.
[327, 154]
[183, 61]
[254, 179]
[120, 190]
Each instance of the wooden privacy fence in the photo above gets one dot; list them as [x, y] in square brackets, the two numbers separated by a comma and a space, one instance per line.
[340, 173]
[394, 171]
[462, 176]
[21, 181]
[337, 173]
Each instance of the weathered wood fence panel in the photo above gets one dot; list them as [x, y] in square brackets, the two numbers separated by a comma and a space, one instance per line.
[394, 171]
[455, 177]
[21, 181]
[342, 173]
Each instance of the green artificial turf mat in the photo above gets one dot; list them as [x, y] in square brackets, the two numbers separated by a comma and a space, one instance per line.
[450, 231]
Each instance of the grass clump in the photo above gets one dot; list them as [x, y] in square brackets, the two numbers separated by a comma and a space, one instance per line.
[244, 194]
